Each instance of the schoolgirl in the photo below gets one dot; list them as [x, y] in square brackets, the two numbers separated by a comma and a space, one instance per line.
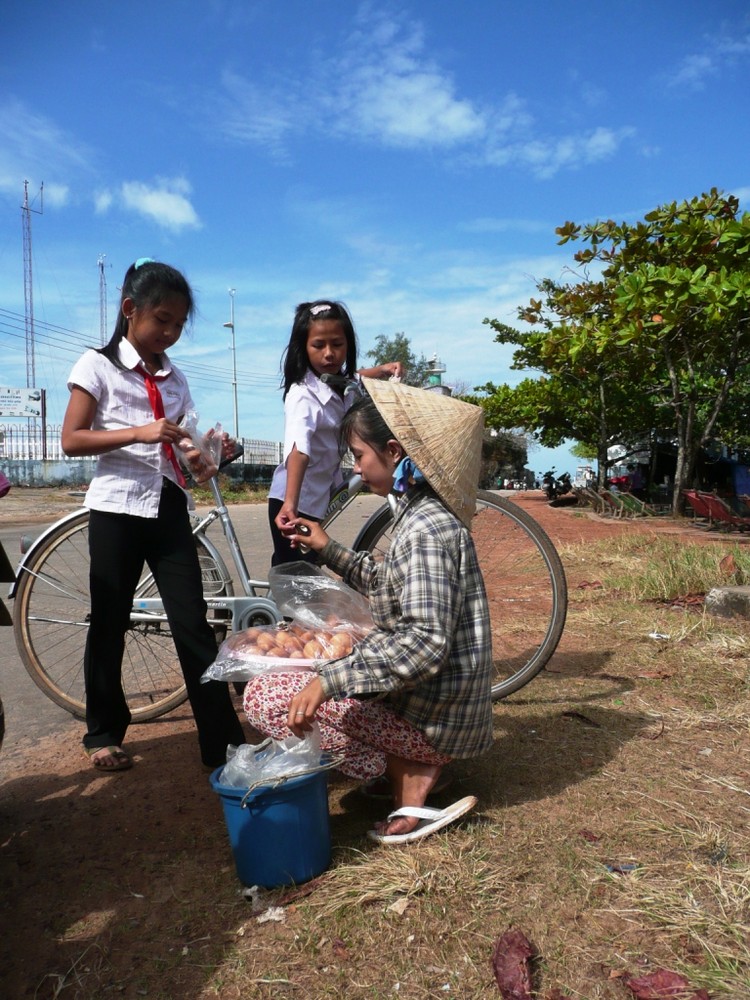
[126, 400]
[322, 342]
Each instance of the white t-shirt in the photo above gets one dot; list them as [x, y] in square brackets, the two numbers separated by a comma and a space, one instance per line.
[312, 417]
[128, 480]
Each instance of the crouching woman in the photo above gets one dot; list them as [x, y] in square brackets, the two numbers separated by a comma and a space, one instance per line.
[415, 692]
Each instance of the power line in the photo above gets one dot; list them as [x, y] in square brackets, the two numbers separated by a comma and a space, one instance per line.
[71, 343]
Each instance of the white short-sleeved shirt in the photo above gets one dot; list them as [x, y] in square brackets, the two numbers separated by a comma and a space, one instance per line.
[312, 417]
[128, 480]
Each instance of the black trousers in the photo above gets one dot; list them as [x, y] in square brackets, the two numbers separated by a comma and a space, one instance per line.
[119, 544]
[282, 550]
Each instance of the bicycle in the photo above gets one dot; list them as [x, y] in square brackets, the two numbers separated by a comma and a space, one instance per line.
[523, 574]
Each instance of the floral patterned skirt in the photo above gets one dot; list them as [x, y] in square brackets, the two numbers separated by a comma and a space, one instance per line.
[363, 732]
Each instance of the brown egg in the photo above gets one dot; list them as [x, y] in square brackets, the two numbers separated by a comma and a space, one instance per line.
[341, 643]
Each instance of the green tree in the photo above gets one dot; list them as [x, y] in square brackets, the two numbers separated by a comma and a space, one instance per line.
[398, 348]
[664, 332]
[590, 401]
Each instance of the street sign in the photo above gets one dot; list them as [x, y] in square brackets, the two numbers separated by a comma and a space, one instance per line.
[20, 402]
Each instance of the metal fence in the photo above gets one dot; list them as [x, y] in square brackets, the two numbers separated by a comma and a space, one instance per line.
[34, 441]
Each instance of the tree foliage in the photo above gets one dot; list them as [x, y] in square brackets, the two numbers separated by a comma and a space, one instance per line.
[657, 343]
[398, 348]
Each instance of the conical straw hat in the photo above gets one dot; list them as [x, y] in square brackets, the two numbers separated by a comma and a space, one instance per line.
[442, 435]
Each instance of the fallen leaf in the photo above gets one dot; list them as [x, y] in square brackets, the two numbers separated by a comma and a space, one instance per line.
[339, 949]
[727, 566]
[400, 905]
[510, 962]
[662, 985]
[592, 838]
[590, 585]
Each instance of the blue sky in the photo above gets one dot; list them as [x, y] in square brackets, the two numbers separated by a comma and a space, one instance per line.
[411, 159]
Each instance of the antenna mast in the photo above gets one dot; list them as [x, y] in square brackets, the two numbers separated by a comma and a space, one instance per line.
[102, 299]
[28, 280]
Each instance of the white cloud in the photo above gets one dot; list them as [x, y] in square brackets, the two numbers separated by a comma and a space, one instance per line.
[390, 91]
[387, 88]
[34, 148]
[102, 201]
[720, 53]
[166, 202]
[547, 156]
[254, 115]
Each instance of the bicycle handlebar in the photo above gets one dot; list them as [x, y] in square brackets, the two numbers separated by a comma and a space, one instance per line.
[237, 453]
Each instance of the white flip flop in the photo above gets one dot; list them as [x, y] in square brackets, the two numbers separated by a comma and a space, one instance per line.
[431, 820]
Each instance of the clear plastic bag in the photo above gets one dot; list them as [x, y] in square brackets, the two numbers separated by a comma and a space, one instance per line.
[309, 595]
[199, 453]
[327, 617]
[248, 765]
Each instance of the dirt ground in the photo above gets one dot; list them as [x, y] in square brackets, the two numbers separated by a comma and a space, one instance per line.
[97, 870]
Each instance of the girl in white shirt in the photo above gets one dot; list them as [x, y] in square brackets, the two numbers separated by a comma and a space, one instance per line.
[322, 341]
[126, 401]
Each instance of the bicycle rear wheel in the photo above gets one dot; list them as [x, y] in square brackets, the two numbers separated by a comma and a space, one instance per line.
[51, 615]
[525, 582]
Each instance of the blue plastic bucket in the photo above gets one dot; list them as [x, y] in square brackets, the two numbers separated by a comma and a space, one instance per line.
[280, 836]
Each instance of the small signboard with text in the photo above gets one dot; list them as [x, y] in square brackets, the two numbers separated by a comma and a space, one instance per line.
[20, 402]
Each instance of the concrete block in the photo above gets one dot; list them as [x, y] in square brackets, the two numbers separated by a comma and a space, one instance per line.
[729, 602]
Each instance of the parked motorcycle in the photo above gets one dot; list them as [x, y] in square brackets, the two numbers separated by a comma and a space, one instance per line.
[555, 487]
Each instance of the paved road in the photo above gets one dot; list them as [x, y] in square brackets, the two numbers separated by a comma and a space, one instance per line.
[28, 712]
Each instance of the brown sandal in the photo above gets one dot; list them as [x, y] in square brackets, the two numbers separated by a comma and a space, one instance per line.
[122, 760]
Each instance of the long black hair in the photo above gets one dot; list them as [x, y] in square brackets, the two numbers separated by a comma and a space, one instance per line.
[148, 283]
[295, 361]
[363, 419]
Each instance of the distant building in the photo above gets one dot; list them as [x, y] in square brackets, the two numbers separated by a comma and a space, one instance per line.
[434, 372]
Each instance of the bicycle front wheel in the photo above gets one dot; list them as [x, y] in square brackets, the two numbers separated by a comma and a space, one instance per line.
[525, 582]
[51, 617]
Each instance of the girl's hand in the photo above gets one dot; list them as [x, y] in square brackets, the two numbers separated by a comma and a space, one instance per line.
[308, 533]
[159, 432]
[392, 369]
[285, 517]
[304, 706]
[228, 445]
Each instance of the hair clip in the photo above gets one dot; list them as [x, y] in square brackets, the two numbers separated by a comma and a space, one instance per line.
[323, 307]
[143, 260]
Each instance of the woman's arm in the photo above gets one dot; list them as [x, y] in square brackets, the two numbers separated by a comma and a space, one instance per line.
[79, 439]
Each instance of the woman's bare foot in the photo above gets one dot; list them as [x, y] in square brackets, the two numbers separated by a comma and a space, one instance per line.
[412, 782]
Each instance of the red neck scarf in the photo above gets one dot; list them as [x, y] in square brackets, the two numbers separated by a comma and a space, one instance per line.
[157, 407]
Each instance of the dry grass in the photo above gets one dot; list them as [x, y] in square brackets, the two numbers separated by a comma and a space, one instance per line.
[631, 749]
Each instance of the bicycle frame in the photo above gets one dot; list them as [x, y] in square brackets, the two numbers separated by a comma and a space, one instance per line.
[239, 611]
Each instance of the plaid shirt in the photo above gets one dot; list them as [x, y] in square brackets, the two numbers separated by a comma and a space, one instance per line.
[430, 653]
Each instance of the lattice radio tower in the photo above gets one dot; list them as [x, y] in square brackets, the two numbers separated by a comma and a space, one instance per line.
[103, 298]
[28, 280]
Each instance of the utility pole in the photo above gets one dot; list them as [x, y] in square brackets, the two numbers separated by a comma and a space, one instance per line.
[230, 325]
